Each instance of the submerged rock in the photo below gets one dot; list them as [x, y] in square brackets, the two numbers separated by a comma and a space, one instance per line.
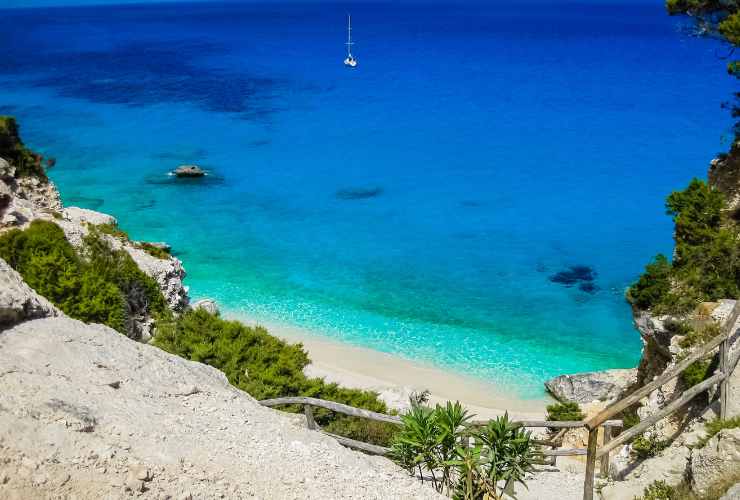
[189, 171]
[591, 386]
[574, 275]
[359, 193]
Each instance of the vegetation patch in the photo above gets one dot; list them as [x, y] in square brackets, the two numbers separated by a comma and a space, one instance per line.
[154, 250]
[100, 286]
[706, 264]
[112, 230]
[267, 367]
[27, 163]
[438, 446]
[648, 445]
[713, 427]
[564, 412]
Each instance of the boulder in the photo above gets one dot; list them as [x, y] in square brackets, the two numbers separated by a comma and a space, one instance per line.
[208, 305]
[189, 171]
[7, 171]
[718, 459]
[733, 493]
[84, 216]
[591, 386]
[168, 273]
[18, 301]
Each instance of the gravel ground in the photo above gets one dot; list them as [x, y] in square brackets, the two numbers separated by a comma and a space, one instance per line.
[87, 413]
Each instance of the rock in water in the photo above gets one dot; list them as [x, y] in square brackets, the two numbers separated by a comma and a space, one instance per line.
[591, 386]
[189, 171]
[208, 305]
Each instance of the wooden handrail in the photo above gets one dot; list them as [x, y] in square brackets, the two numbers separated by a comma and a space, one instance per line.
[674, 372]
[726, 368]
[333, 406]
[645, 390]
[687, 396]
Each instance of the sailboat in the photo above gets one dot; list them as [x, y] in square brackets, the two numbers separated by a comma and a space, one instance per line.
[350, 60]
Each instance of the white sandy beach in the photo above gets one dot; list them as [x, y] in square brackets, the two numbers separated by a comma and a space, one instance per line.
[395, 377]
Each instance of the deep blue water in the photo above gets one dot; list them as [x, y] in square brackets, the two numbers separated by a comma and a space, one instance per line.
[419, 204]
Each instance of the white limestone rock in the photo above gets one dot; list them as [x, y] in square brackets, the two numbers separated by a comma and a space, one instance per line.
[719, 458]
[86, 411]
[18, 302]
[208, 305]
[83, 216]
[591, 386]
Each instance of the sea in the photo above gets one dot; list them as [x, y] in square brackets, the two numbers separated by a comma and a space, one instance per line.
[477, 194]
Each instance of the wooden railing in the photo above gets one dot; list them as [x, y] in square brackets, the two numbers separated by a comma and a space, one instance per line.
[726, 367]
[553, 443]
[605, 419]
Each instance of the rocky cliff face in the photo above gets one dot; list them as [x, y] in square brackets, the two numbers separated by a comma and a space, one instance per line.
[25, 199]
[724, 174]
[87, 413]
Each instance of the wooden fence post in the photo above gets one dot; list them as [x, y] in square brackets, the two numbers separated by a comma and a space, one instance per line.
[309, 417]
[723, 385]
[604, 467]
[588, 484]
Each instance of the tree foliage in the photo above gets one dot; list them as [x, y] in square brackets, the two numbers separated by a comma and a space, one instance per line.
[26, 162]
[706, 264]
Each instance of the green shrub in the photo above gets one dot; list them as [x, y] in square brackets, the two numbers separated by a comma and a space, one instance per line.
[267, 367]
[435, 445]
[653, 286]
[103, 286]
[630, 418]
[154, 250]
[706, 265]
[714, 426]
[699, 336]
[26, 162]
[695, 373]
[112, 230]
[562, 412]
[648, 445]
[658, 490]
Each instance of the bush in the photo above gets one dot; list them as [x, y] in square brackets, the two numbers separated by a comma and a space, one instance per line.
[699, 336]
[706, 265]
[562, 412]
[658, 490]
[154, 250]
[267, 367]
[714, 426]
[104, 286]
[112, 230]
[436, 445]
[26, 162]
[648, 445]
[695, 373]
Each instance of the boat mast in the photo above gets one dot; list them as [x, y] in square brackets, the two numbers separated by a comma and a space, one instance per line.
[349, 35]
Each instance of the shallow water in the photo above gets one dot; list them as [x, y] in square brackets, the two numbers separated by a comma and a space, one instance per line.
[422, 204]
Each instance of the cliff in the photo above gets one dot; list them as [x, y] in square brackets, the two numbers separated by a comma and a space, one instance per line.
[87, 413]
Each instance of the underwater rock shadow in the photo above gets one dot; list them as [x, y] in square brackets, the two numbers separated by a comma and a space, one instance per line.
[358, 193]
[583, 276]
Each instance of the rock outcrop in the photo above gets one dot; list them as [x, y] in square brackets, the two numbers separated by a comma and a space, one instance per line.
[591, 386]
[717, 460]
[87, 413]
[18, 302]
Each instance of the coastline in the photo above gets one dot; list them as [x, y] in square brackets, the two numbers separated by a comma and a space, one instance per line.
[395, 377]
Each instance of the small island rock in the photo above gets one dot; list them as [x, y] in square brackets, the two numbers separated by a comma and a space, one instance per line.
[189, 171]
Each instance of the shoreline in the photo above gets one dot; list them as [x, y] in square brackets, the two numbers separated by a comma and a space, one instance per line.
[395, 377]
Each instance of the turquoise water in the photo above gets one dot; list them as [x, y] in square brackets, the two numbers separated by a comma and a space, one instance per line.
[419, 205]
